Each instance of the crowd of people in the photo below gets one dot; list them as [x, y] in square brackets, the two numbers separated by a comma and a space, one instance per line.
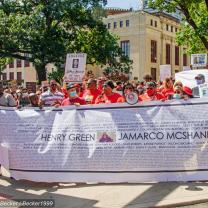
[97, 91]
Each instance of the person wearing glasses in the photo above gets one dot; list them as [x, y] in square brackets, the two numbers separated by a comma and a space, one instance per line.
[107, 95]
[52, 97]
[152, 93]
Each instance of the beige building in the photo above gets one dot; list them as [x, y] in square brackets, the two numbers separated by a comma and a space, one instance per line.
[23, 73]
[149, 39]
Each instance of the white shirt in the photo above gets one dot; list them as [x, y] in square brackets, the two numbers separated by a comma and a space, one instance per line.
[49, 98]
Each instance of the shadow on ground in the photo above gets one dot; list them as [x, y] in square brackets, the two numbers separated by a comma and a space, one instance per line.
[149, 198]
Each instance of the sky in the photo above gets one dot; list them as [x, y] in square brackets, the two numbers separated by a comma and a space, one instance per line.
[126, 4]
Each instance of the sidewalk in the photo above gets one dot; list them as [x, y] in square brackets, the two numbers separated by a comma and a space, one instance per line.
[107, 195]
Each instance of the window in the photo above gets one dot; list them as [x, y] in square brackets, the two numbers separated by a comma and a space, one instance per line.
[167, 53]
[127, 23]
[11, 64]
[11, 76]
[121, 24]
[4, 76]
[19, 76]
[19, 63]
[155, 23]
[115, 25]
[167, 27]
[27, 64]
[176, 30]
[151, 22]
[109, 25]
[153, 51]
[154, 73]
[171, 28]
[125, 46]
[184, 59]
[177, 55]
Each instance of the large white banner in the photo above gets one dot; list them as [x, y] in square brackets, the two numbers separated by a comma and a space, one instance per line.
[154, 142]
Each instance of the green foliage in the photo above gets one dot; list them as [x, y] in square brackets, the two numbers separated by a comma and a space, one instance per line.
[46, 30]
[3, 63]
[194, 30]
[56, 75]
[119, 71]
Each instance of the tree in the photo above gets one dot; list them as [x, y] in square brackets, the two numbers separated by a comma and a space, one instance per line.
[44, 31]
[3, 62]
[56, 75]
[194, 30]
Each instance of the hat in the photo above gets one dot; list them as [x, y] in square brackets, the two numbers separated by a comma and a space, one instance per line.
[110, 84]
[201, 76]
[151, 84]
[187, 90]
[71, 85]
[91, 81]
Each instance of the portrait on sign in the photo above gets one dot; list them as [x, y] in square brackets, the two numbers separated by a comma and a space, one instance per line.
[75, 63]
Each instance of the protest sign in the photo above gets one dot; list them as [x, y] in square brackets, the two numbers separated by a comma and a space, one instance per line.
[198, 60]
[165, 71]
[75, 67]
[203, 90]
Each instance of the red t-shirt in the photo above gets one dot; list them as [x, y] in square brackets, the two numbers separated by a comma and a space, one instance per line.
[91, 96]
[108, 99]
[157, 96]
[65, 93]
[68, 101]
[167, 92]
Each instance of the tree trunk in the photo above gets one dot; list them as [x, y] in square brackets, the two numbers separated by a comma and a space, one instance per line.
[41, 72]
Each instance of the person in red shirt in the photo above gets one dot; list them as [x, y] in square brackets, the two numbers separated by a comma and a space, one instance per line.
[73, 98]
[108, 96]
[91, 93]
[151, 93]
[101, 81]
[168, 88]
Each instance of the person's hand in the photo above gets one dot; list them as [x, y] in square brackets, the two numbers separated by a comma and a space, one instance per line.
[163, 100]
[77, 104]
[57, 105]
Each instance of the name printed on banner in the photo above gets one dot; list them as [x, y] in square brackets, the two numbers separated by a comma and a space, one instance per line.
[68, 137]
[164, 135]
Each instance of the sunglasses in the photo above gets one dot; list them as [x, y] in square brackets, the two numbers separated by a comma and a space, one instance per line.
[177, 92]
[53, 84]
[149, 88]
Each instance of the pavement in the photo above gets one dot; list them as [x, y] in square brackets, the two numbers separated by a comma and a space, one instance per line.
[71, 195]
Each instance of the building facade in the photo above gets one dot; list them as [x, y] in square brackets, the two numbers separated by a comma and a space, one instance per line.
[22, 73]
[149, 39]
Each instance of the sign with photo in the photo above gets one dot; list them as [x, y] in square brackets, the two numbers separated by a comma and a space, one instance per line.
[203, 90]
[199, 60]
[75, 67]
[165, 71]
